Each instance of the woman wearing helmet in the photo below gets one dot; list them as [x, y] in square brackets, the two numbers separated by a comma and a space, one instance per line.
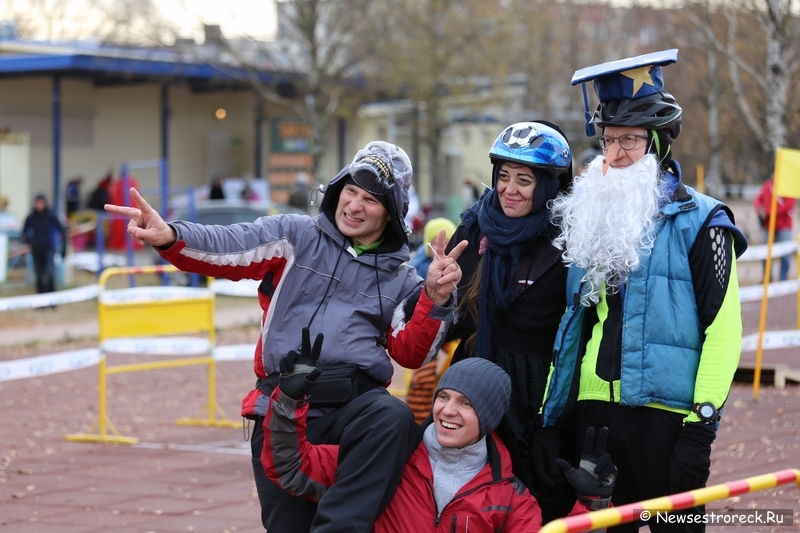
[512, 292]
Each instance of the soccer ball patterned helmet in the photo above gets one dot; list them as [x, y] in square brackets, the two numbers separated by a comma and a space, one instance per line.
[538, 145]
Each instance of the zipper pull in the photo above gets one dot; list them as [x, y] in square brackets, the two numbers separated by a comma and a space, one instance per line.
[453, 526]
[438, 518]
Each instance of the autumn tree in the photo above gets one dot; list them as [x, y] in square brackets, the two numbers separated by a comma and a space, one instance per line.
[444, 57]
[756, 41]
[135, 22]
[318, 49]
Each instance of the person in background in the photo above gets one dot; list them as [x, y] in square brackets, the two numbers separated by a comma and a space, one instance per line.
[45, 235]
[299, 197]
[459, 478]
[101, 195]
[784, 213]
[650, 341]
[511, 297]
[424, 381]
[470, 192]
[342, 272]
[216, 192]
[73, 195]
[424, 254]
[248, 193]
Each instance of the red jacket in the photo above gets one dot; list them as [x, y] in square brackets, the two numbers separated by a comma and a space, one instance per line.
[373, 304]
[763, 202]
[493, 501]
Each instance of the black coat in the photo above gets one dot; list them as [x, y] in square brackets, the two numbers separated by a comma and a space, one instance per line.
[522, 338]
[44, 233]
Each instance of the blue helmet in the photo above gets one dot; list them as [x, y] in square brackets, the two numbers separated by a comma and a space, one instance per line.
[537, 144]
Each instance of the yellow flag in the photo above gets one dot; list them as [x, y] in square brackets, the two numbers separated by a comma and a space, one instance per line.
[787, 173]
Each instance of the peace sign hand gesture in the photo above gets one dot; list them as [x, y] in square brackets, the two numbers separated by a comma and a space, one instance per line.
[146, 225]
[444, 273]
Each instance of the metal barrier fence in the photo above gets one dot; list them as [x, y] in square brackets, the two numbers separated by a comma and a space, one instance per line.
[128, 320]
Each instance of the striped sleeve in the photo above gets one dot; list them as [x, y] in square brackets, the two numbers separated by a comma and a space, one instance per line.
[290, 461]
[414, 341]
[713, 265]
[420, 395]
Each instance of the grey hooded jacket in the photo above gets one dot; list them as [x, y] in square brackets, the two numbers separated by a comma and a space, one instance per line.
[311, 276]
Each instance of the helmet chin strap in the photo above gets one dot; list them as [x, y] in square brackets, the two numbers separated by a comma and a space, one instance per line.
[656, 141]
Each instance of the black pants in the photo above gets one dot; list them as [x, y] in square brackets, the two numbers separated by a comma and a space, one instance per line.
[376, 434]
[640, 441]
[528, 372]
[44, 268]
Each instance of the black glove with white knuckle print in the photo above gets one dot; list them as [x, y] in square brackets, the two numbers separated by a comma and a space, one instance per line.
[299, 370]
[594, 479]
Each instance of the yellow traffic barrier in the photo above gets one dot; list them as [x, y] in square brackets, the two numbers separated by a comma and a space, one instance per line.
[128, 322]
[684, 500]
[400, 384]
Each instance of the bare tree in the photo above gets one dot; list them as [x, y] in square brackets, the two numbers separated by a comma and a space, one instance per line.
[702, 16]
[777, 23]
[445, 57]
[137, 22]
[318, 49]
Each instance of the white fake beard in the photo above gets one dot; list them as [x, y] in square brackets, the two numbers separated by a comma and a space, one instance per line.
[607, 222]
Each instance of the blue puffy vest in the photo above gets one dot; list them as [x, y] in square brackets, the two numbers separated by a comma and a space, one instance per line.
[661, 336]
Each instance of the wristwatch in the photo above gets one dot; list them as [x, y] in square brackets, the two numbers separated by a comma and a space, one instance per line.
[706, 411]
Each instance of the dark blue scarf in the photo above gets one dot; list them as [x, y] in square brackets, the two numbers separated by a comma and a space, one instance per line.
[508, 238]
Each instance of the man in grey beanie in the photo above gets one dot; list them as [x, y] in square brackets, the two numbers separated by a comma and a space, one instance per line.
[342, 273]
[459, 477]
[486, 385]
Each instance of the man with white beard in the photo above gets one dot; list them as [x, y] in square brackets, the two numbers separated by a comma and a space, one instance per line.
[651, 340]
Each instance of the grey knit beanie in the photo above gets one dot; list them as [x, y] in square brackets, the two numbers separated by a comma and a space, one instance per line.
[486, 386]
[388, 172]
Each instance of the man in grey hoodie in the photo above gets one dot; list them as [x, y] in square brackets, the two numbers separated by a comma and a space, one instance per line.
[343, 273]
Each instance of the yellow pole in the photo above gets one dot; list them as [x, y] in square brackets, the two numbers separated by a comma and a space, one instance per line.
[701, 181]
[773, 207]
[212, 389]
[798, 277]
[102, 403]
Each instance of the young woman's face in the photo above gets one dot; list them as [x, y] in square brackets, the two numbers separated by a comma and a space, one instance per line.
[515, 185]
[457, 424]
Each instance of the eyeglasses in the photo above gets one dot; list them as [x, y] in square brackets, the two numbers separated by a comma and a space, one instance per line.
[626, 142]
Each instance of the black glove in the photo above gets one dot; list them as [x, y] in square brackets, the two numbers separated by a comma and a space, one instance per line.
[546, 449]
[691, 457]
[594, 479]
[299, 371]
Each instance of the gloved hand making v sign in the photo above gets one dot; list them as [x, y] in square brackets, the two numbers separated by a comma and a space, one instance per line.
[299, 371]
[594, 479]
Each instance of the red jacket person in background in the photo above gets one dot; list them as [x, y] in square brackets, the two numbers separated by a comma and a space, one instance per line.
[784, 211]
